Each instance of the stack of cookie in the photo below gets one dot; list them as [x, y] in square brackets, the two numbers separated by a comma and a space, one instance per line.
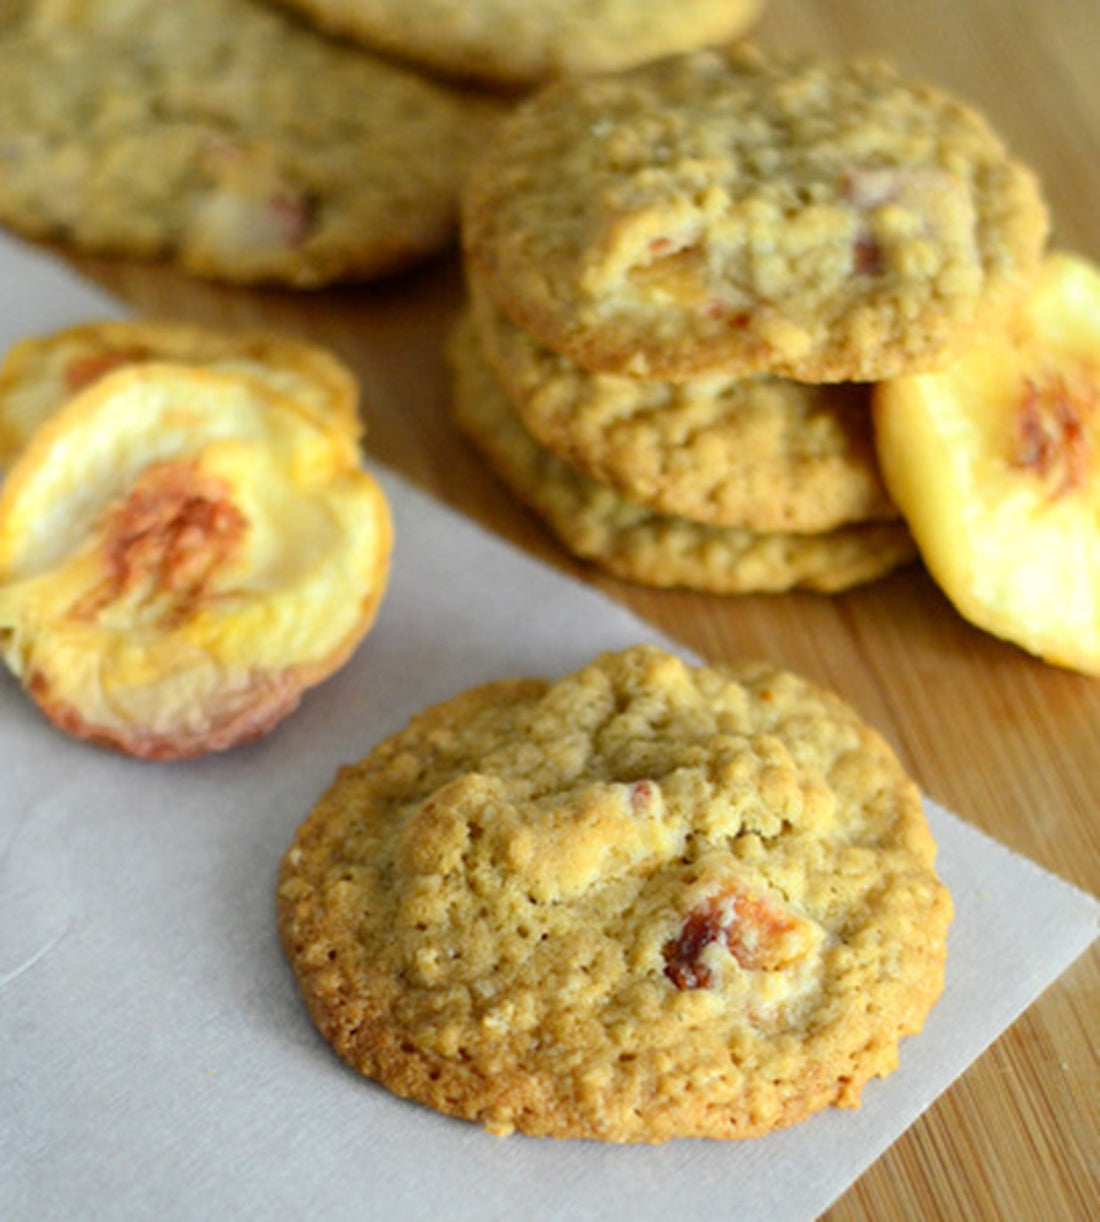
[685, 279]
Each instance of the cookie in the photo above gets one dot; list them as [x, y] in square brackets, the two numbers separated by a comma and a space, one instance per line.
[518, 43]
[631, 541]
[739, 213]
[183, 553]
[226, 137]
[40, 374]
[757, 453]
[644, 901]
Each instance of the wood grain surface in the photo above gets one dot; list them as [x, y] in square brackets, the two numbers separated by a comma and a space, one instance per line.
[1008, 742]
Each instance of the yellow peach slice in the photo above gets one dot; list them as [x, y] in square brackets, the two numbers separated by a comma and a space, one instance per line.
[41, 373]
[182, 553]
[995, 464]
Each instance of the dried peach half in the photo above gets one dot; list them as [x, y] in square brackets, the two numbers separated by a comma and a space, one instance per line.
[182, 553]
[41, 373]
[994, 463]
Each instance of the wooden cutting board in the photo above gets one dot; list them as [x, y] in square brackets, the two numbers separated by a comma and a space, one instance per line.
[1008, 742]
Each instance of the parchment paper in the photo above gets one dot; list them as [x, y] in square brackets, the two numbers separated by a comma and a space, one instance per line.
[155, 1058]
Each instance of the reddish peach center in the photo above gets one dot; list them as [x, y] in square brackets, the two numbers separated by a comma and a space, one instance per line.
[1051, 435]
[169, 536]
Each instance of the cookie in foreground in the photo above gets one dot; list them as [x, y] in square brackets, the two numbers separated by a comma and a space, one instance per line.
[644, 901]
[182, 553]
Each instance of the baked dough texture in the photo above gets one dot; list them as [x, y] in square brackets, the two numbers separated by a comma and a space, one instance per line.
[637, 543]
[756, 453]
[518, 43]
[734, 212]
[644, 901]
[226, 137]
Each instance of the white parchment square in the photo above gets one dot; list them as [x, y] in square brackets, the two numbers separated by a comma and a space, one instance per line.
[155, 1058]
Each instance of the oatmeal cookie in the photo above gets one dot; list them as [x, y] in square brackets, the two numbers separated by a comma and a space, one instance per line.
[41, 373]
[632, 541]
[226, 137]
[644, 901]
[756, 453]
[517, 43]
[739, 213]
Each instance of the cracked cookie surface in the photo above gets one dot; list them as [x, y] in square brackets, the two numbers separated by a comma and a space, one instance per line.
[737, 213]
[643, 901]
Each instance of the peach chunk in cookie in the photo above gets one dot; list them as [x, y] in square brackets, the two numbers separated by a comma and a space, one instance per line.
[643, 901]
[757, 932]
[40, 373]
[182, 553]
[993, 462]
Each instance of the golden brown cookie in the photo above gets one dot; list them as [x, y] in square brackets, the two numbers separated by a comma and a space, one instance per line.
[182, 553]
[740, 213]
[41, 373]
[517, 43]
[644, 901]
[757, 453]
[226, 137]
[632, 541]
